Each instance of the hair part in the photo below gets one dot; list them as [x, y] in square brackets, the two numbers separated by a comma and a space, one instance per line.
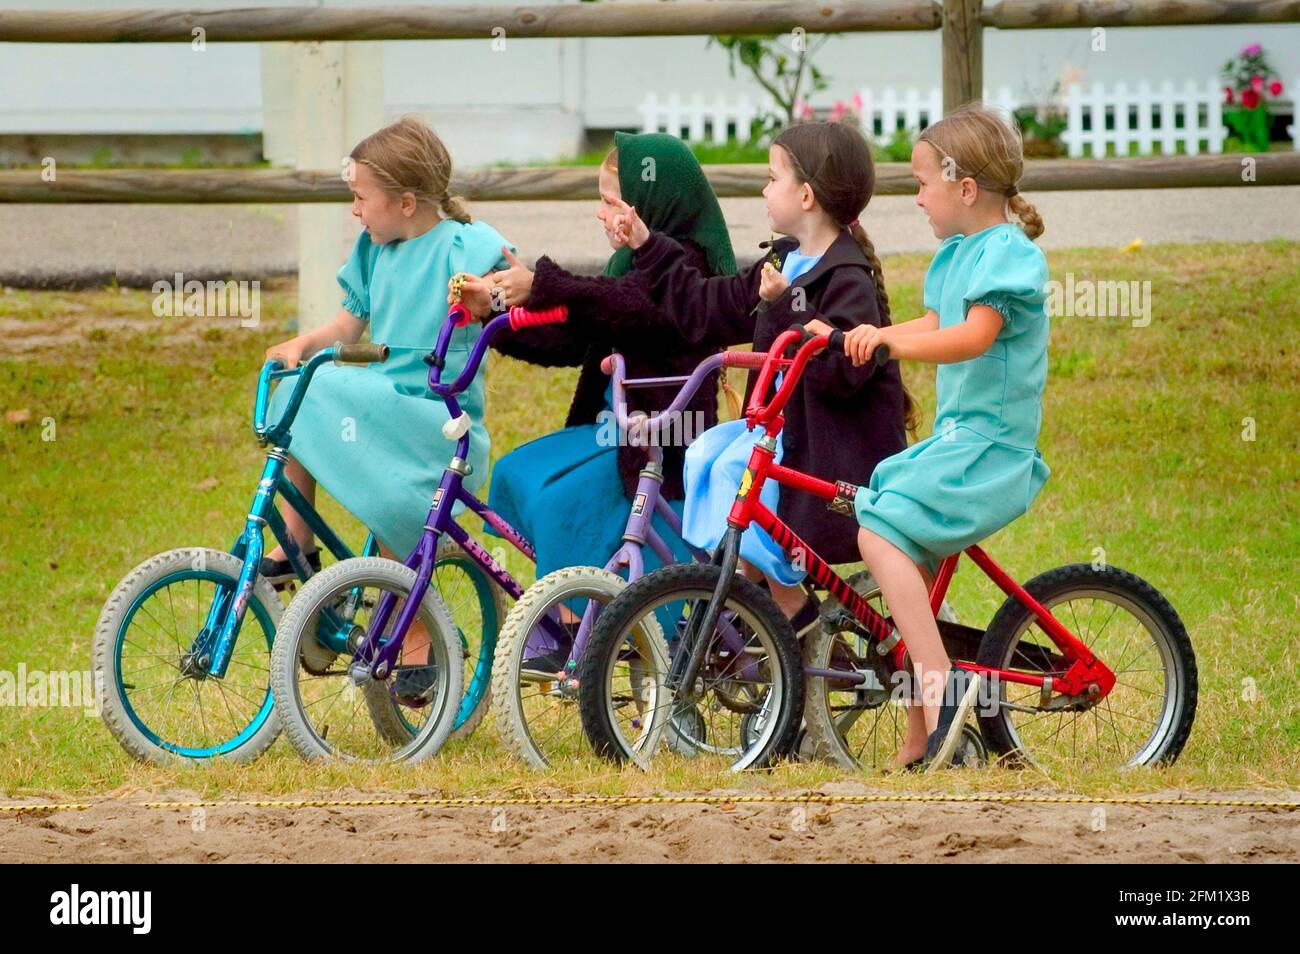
[833, 158]
[978, 143]
[408, 156]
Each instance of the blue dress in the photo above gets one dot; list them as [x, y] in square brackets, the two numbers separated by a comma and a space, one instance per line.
[980, 469]
[563, 492]
[372, 436]
[715, 463]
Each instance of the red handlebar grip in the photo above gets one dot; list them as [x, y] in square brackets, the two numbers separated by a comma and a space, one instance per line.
[459, 314]
[521, 317]
[743, 359]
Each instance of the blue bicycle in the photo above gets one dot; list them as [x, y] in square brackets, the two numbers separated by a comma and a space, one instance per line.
[175, 680]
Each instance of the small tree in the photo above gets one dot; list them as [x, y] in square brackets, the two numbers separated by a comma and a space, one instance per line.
[783, 65]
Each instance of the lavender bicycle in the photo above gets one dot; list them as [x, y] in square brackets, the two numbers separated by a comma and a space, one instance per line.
[534, 678]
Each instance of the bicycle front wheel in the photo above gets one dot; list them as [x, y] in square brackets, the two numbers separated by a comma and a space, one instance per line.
[744, 706]
[341, 711]
[148, 655]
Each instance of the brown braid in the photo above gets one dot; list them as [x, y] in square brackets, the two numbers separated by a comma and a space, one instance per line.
[911, 416]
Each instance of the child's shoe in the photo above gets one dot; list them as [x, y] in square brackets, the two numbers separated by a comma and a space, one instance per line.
[280, 572]
[413, 685]
[959, 696]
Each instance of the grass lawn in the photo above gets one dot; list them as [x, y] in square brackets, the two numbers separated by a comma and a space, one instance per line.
[1144, 428]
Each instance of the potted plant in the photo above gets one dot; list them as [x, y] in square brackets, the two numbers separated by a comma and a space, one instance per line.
[1249, 81]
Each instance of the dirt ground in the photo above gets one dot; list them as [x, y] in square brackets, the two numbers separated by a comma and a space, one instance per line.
[124, 831]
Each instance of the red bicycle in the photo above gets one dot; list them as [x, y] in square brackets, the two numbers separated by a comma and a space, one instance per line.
[1086, 666]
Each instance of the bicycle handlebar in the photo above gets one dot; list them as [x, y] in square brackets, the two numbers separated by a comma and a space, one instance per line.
[361, 353]
[809, 345]
[273, 370]
[613, 365]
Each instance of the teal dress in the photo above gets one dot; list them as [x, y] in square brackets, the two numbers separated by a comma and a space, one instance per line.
[372, 436]
[980, 469]
[563, 492]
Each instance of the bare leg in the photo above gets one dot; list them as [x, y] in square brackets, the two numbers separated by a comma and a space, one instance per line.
[908, 596]
[789, 599]
[295, 524]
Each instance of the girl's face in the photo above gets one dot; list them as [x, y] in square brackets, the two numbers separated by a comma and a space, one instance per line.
[610, 195]
[788, 199]
[384, 216]
[946, 200]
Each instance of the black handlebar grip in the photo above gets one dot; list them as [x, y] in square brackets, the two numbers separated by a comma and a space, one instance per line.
[835, 341]
[881, 355]
[367, 353]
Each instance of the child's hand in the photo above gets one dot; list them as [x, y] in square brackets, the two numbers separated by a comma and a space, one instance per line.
[772, 284]
[818, 327]
[288, 353]
[861, 342]
[515, 282]
[475, 293]
[628, 229]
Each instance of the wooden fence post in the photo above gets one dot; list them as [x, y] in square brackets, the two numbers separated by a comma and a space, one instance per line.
[963, 53]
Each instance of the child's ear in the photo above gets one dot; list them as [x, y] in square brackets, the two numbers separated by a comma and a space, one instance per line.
[970, 191]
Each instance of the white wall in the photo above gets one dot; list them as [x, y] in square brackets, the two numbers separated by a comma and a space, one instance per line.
[537, 95]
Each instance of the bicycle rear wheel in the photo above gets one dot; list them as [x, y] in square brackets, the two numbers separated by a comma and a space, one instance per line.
[746, 702]
[478, 608]
[1147, 716]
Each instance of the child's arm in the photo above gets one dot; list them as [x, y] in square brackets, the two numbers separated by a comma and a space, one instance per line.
[716, 311]
[345, 327]
[927, 322]
[960, 342]
[548, 346]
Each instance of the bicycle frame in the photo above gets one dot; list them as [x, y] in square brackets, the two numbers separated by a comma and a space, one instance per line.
[1078, 676]
[211, 650]
[378, 653]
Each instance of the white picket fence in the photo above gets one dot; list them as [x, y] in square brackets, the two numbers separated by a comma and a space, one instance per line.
[1190, 119]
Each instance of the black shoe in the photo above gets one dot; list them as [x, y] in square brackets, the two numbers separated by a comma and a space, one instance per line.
[413, 685]
[960, 693]
[280, 572]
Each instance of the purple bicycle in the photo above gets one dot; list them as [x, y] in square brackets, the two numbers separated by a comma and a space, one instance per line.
[368, 663]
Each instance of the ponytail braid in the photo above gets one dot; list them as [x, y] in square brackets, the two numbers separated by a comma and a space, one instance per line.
[911, 417]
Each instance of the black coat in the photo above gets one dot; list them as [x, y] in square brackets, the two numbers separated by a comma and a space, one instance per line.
[617, 314]
[841, 420]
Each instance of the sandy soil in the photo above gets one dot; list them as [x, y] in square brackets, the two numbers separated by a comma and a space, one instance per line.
[123, 831]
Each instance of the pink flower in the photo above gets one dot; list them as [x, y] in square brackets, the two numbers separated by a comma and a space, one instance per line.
[1257, 83]
[837, 112]
[1249, 98]
[857, 102]
[1253, 50]
[1227, 94]
[1275, 88]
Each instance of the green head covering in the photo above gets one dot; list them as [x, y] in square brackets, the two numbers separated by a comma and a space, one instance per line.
[671, 195]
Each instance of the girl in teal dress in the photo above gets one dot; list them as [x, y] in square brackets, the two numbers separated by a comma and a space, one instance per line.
[986, 327]
[373, 436]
